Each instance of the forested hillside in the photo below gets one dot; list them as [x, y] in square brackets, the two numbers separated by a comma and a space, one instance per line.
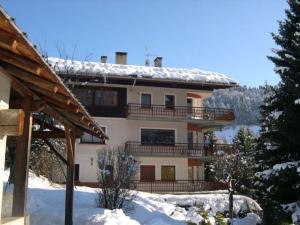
[244, 100]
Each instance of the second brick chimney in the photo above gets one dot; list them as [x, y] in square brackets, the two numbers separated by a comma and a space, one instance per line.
[158, 62]
[103, 59]
[121, 58]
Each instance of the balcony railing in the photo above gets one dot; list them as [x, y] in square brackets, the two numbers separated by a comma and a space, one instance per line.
[198, 150]
[178, 186]
[184, 113]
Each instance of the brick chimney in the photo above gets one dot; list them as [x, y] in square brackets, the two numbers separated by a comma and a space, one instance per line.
[103, 59]
[158, 62]
[121, 58]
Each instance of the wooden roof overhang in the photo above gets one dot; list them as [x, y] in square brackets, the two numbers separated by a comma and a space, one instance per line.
[141, 81]
[30, 73]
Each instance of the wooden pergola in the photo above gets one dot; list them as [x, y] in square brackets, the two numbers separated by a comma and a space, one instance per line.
[35, 87]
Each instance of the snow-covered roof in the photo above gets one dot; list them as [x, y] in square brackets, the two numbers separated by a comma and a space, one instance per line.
[143, 72]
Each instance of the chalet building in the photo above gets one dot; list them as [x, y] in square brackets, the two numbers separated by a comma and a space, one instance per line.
[154, 113]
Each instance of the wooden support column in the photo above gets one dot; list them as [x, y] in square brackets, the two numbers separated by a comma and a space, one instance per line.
[70, 141]
[21, 168]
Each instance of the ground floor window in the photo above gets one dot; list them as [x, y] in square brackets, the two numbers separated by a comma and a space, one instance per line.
[147, 173]
[158, 136]
[168, 173]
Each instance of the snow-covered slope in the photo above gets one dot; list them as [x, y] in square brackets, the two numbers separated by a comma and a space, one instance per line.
[147, 72]
[46, 207]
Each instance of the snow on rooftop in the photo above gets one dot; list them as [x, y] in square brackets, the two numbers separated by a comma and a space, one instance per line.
[147, 72]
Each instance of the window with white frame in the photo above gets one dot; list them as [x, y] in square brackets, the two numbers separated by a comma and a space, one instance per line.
[169, 101]
[146, 100]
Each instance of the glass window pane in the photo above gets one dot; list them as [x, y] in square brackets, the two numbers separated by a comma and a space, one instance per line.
[170, 101]
[158, 137]
[106, 98]
[85, 96]
[146, 100]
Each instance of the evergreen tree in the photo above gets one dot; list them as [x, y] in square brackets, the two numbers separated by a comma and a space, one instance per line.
[245, 143]
[278, 152]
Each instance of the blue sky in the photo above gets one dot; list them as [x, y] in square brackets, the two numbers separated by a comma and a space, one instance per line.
[227, 36]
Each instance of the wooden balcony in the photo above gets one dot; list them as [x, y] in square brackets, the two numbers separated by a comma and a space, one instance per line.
[178, 186]
[204, 116]
[194, 150]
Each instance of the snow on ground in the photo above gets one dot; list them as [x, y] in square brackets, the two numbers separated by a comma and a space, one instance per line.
[228, 133]
[147, 72]
[46, 207]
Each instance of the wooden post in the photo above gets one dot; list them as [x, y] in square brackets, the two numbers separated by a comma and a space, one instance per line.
[70, 141]
[21, 168]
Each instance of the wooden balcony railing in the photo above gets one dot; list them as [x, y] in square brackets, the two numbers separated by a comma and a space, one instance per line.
[178, 186]
[161, 112]
[179, 150]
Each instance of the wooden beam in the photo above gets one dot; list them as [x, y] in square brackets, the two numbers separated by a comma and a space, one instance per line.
[11, 122]
[16, 84]
[70, 141]
[20, 61]
[58, 116]
[62, 105]
[17, 44]
[21, 165]
[31, 78]
[54, 96]
[74, 119]
[48, 134]
[52, 134]
[52, 148]
[36, 105]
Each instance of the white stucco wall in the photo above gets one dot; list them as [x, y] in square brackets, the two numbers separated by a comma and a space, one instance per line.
[181, 166]
[4, 104]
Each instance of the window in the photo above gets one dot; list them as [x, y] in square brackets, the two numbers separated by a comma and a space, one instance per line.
[170, 101]
[106, 98]
[157, 136]
[87, 138]
[85, 96]
[146, 100]
[168, 173]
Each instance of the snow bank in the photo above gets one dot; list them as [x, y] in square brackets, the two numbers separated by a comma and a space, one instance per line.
[46, 206]
[250, 219]
[107, 69]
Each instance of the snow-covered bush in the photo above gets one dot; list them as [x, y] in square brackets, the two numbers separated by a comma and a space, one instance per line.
[116, 174]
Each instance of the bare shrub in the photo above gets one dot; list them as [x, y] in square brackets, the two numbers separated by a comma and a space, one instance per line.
[116, 174]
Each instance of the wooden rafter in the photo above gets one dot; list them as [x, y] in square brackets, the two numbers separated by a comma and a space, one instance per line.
[31, 78]
[26, 65]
